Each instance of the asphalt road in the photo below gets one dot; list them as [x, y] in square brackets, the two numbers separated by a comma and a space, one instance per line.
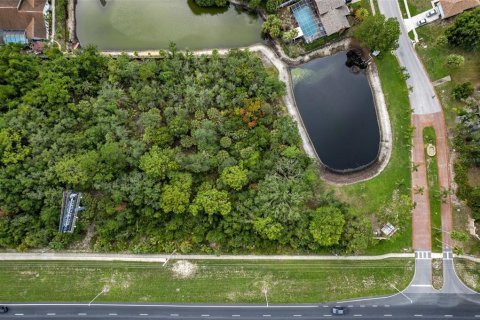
[422, 97]
[376, 308]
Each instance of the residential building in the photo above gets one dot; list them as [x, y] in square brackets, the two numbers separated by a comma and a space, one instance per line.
[22, 20]
[450, 8]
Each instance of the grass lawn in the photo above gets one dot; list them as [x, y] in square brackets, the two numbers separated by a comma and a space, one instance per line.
[371, 196]
[213, 282]
[469, 272]
[433, 191]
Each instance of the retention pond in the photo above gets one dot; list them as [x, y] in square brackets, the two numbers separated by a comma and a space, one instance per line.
[153, 24]
[338, 111]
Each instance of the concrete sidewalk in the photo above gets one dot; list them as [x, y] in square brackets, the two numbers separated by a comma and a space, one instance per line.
[163, 257]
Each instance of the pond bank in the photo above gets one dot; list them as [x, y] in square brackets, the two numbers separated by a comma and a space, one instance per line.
[283, 63]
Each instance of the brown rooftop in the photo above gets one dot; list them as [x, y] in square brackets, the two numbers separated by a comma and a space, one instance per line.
[24, 15]
[453, 7]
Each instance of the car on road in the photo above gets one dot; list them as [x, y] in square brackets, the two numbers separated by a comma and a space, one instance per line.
[3, 309]
[421, 22]
[339, 310]
[431, 13]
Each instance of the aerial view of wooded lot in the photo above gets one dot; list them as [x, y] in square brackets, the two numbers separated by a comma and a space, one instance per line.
[188, 153]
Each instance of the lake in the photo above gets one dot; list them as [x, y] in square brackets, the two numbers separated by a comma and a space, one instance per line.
[338, 111]
[153, 24]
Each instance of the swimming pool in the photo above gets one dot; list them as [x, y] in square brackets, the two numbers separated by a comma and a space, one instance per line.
[306, 20]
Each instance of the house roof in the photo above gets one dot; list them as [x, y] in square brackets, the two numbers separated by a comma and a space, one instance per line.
[326, 5]
[332, 15]
[334, 21]
[28, 17]
[453, 7]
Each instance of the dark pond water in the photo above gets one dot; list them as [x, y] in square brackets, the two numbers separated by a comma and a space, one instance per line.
[338, 111]
[153, 24]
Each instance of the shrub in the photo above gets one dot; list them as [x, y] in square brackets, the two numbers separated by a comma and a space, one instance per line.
[455, 60]
[465, 30]
[462, 91]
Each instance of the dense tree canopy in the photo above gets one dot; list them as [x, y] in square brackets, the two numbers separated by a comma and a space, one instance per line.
[378, 33]
[465, 30]
[184, 152]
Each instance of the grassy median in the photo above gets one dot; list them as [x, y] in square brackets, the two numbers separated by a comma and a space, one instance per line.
[434, 192]
[210, 281]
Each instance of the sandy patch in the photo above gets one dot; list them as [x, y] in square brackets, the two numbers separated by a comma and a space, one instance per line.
[184, 269]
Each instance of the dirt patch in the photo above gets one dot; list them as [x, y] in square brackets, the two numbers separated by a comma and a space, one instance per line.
[437, 273]
[184, 269]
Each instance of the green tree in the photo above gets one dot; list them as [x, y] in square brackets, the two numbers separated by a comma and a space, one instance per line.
[462, 91]
[272, 5]
[272, 26]
[211, 3]
[326, 225]
[378, 33]
[361, 14]
[465, 30]
[157, 163]
[459, 236]
[210, 201]
[176, 195]
[235, 177]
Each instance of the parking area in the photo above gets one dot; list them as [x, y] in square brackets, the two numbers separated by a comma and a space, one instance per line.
[422, 19]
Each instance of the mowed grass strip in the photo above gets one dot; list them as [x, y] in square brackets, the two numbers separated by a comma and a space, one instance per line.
[469, 273]
[212, 282]
[371, 196]
[434, 193]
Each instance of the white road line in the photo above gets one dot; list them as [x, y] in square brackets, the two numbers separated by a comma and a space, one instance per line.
[82, 314]
[418, 315]
[173, 314]
[19, 314]
[235, 315]
[297, 315]
[387, 306]
[267, 315]
[362, 306]
[325, 306]
[477, 316]
[350, 306]
[205, 315]
[387, 315]
[51, 314]
[374, 305]
[327, 315]
[113, 314]
[357, 315]
[160, 305]
[143, 314]
[448, 315]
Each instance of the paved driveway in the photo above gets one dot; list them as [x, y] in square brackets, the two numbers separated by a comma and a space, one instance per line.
[411, 23]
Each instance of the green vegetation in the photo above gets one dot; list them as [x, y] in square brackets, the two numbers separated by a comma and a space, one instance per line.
[437, 273]
[375, 197]
[378, 33]
[465, 30]
[188, 153]
[462, 116]
[469, 272]
[320, 42]
[434, 192]
[211, 3]
[61, 21]
[212, 281]
[415, 7]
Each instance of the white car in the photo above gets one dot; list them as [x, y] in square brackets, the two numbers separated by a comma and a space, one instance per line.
[431, 13]
[421, 22]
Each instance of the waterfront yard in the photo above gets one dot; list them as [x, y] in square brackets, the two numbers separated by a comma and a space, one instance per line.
[204, 281]
[372, 196]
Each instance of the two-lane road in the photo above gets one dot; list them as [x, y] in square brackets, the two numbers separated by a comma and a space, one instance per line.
[370, 309]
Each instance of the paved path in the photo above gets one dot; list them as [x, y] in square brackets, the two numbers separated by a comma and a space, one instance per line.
[163, 257]
[426, 112]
